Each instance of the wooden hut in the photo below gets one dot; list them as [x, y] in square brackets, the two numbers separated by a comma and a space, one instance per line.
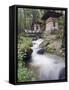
[51, 20]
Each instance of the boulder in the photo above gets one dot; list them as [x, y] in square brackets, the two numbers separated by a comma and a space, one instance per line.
[62, 74]
[41, 51]
[27, 56]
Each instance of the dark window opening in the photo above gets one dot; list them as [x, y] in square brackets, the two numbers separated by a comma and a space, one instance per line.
[54, 24]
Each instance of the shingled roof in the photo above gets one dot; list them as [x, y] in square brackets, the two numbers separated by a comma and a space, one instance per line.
[51, 14]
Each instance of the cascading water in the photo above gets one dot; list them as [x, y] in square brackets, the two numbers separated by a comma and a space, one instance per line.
[50, 66]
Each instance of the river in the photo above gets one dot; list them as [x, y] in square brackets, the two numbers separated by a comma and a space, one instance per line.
[50, 67]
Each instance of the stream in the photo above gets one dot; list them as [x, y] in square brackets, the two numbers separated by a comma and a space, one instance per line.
[50, 67]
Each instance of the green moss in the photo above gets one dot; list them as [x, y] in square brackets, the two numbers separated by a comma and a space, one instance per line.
[50, 50]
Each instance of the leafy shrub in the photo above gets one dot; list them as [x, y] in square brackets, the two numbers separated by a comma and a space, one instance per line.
[50, 50]
[24, 74]
[23, 43]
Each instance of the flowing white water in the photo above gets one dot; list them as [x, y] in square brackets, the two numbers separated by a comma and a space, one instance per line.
[50, 66]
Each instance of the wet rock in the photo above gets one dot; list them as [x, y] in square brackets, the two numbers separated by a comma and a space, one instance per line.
[34, 38]
[27, 56]
[62, 74]
[40, 51]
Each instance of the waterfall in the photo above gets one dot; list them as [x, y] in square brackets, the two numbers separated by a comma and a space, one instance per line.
[50, 66]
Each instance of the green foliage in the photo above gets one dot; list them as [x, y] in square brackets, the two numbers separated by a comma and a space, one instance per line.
[50, 50]
[59, 35]
[61, 21]
[24, 74]
[56, 42]
[23, 43]
[63, 41]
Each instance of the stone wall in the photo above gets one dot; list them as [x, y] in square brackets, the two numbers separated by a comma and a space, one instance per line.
[50, 24]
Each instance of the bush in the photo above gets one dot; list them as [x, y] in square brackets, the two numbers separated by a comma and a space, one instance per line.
[24, 74]
[23, 43]
[50, 50]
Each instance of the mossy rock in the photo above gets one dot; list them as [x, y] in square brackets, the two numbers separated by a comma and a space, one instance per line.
[50, 50]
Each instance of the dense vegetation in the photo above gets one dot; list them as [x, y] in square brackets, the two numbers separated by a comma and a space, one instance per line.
[54, 43]
[24, 73]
